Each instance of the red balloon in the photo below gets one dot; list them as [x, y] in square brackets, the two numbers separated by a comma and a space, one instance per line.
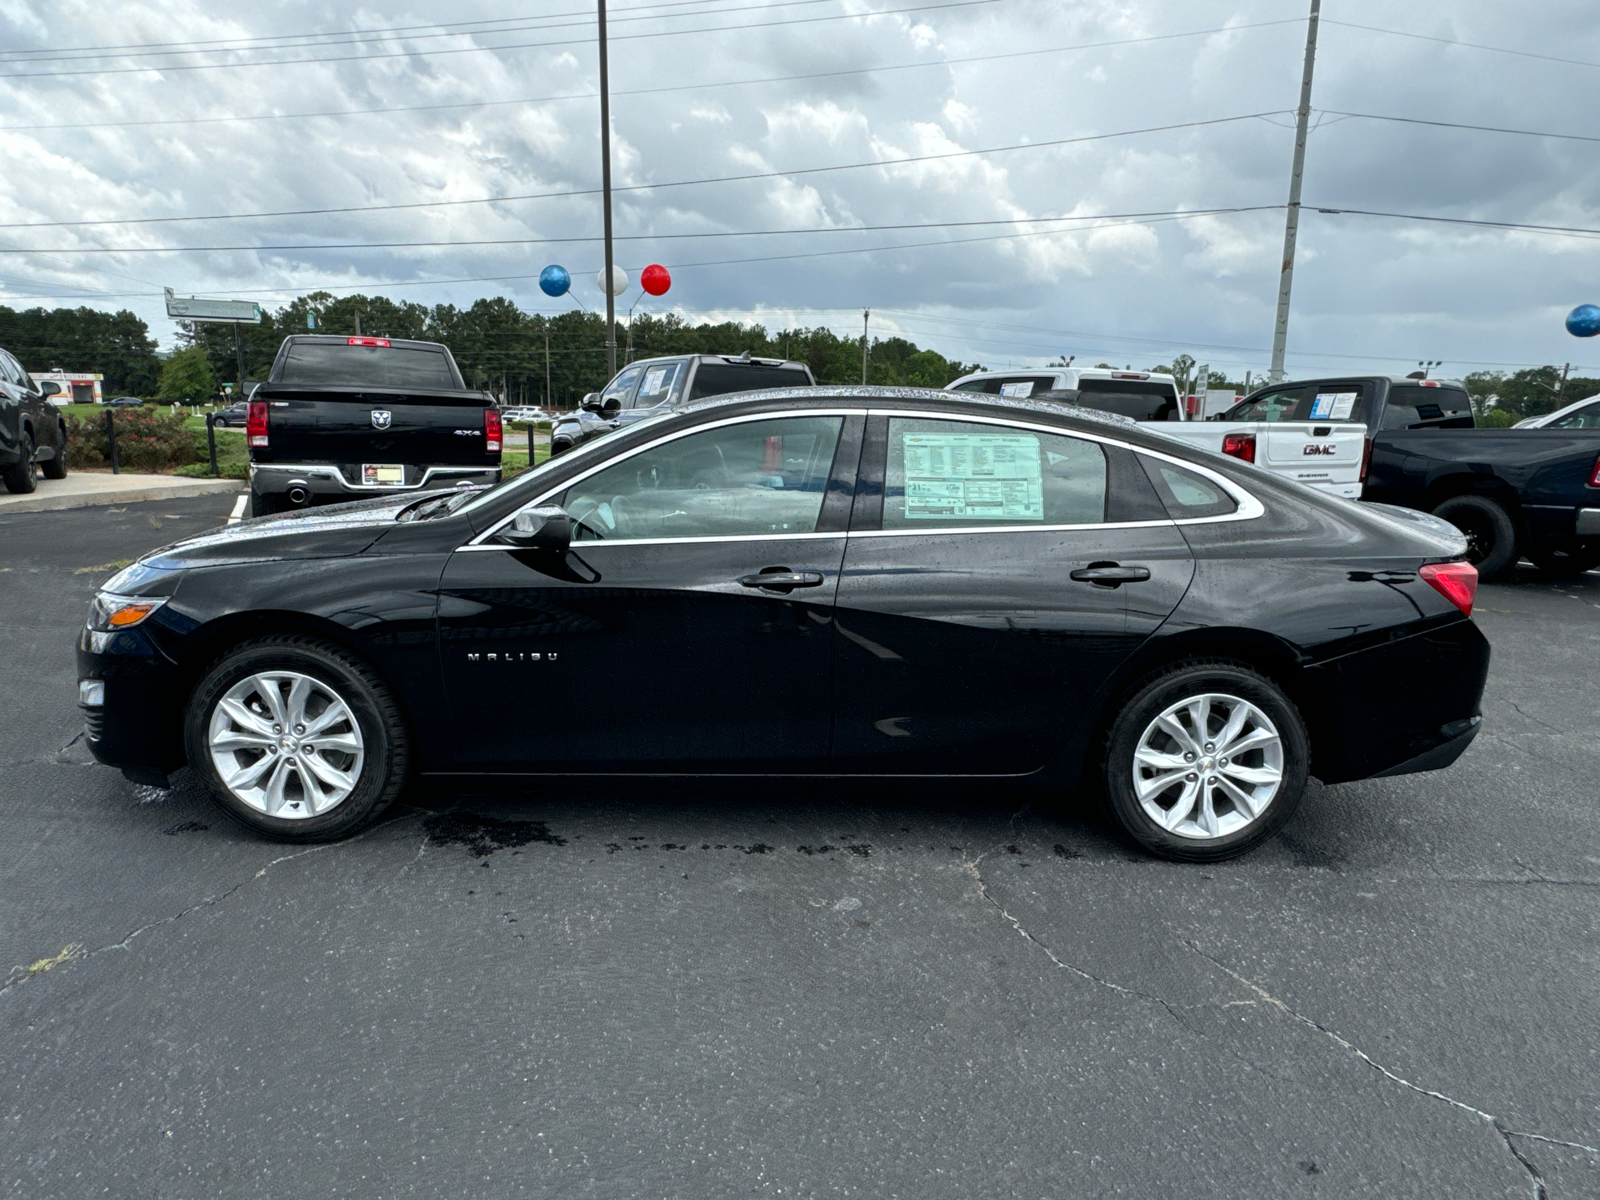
[655, 279]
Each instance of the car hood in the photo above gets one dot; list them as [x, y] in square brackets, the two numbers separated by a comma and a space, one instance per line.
[334, 531]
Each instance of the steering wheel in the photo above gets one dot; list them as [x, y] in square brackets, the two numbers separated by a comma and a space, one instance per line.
[626, 515]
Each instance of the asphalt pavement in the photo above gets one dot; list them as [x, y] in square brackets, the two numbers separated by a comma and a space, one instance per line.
[641, 991]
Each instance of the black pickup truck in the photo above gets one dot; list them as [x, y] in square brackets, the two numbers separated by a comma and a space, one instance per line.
[1515, 493]
[341, 418]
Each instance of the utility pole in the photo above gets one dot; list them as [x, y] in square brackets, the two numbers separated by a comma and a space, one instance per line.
[1561, 392]
[605, 187]
[547, 367]
[358, 324]
[1291, 225]
[238, 350]
[866, 315]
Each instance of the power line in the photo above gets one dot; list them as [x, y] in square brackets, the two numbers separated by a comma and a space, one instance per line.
[639, 187]
[290, 62]
[636, 237]
[1566, 230]
[1569, 137]
[1423, 37]
[688, 87]
[369, 36]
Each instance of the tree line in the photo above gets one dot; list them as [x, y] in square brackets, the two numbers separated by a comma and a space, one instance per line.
[532, 358]
[117, 345]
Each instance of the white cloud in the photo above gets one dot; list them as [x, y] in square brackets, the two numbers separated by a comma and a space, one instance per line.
[1394, 290]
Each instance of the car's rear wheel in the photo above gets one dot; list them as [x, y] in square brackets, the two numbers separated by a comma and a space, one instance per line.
[22, 476]
[1205, 761]
[1567, 561]
[1491, 535]
[266, 506]
[297, 739]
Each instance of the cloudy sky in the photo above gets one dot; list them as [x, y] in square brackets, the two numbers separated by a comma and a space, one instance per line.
[914, 162]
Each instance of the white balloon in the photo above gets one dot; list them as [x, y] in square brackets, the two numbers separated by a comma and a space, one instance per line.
[619, 280]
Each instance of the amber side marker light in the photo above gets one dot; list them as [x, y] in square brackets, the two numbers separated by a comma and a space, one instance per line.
[1457, 582]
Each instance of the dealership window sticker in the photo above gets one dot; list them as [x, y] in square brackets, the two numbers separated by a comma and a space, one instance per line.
[973, 476]
[1333, 406]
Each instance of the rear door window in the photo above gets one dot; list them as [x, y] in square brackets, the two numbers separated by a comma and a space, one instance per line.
[1130, 398]
[964, 475]
[659, 383]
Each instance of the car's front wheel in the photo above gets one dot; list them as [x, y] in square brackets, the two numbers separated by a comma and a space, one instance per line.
[297, 738]
[1205, 761]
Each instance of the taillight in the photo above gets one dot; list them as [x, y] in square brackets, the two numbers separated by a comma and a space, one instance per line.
[1594, 476]
[1240, 445]
[491, 431]
[1457, 582]
[366, 341]
[1366, 459]
[255, 427]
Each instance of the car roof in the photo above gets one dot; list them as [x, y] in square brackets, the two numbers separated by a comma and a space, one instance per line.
[346, 339]
[733, 360]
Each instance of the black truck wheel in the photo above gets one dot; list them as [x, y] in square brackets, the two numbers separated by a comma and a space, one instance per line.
[1491, 536]
[23, 475]
[266, 506]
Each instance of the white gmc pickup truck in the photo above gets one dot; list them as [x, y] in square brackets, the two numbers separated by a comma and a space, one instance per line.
[1318, 438]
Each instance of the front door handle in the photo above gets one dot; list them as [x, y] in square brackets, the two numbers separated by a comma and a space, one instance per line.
[782, 580]
[1110, 574]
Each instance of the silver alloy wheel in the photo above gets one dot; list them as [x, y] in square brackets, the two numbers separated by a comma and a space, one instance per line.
[286, 744]
[1208, 766]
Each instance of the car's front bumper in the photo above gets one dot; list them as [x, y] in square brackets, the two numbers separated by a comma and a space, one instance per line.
[133, 728]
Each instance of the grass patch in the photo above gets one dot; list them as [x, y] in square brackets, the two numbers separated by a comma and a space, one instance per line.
[233, 456]
[67, 954]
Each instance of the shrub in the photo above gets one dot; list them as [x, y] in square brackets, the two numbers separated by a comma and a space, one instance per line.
[1497, 418]
[146, 441]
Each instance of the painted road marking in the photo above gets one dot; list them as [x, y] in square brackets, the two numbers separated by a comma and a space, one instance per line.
[238, 509]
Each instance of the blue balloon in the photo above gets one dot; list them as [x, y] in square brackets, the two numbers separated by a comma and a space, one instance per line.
[554, 281]
[1584, 321]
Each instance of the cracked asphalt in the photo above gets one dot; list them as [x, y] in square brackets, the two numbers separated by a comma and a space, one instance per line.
[640, 991]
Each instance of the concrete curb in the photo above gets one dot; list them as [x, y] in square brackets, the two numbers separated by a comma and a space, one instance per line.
[166, 489]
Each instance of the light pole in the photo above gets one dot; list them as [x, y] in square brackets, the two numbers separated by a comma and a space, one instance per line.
[1291, 225]
[605, 187]
[866, 316]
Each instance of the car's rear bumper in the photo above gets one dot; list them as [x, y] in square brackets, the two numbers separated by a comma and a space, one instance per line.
[325, 479]
[1413, 704]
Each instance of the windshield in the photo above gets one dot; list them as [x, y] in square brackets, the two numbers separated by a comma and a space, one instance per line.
[529, 482]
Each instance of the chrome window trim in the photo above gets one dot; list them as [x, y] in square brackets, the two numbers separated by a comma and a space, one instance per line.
[662, 441]
[685, 541]
[1249, 507]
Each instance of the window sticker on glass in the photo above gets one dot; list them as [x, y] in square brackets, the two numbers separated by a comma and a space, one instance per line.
[975, 476]
[1333, 406]
[1017, 390]
[652, 381]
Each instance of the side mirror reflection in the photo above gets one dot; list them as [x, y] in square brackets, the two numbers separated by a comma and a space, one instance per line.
[547, 528]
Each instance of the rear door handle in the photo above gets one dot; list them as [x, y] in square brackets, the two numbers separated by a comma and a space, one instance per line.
[783, 579]
[1111, 574]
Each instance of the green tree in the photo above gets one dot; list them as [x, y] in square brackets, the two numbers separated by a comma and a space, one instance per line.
[187, 376]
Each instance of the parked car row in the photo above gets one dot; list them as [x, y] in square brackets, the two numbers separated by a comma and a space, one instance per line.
[33, 433]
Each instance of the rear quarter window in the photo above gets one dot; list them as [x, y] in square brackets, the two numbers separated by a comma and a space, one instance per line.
[1186, 493]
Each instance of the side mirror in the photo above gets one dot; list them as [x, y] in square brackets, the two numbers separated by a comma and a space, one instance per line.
[611, 407]
[591, 403]
[49, 388]
[547, 528]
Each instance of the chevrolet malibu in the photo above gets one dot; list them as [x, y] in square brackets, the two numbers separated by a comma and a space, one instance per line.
[886, 584]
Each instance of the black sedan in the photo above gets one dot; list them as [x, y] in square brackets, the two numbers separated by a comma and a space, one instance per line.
[865, 582]
[235, 415]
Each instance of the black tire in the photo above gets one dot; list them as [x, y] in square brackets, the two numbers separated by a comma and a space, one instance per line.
[1566, 562]
[22, 476]
[56, 468]
[386, 761]
[1173, 685]
[1491, 535]
[266, 506]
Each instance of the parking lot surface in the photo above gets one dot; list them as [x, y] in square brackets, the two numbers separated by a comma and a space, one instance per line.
[640, 990]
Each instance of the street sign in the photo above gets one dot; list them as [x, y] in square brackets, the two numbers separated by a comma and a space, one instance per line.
[190, 308]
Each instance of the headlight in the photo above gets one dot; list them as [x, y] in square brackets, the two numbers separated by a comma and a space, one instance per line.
[110, 612]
